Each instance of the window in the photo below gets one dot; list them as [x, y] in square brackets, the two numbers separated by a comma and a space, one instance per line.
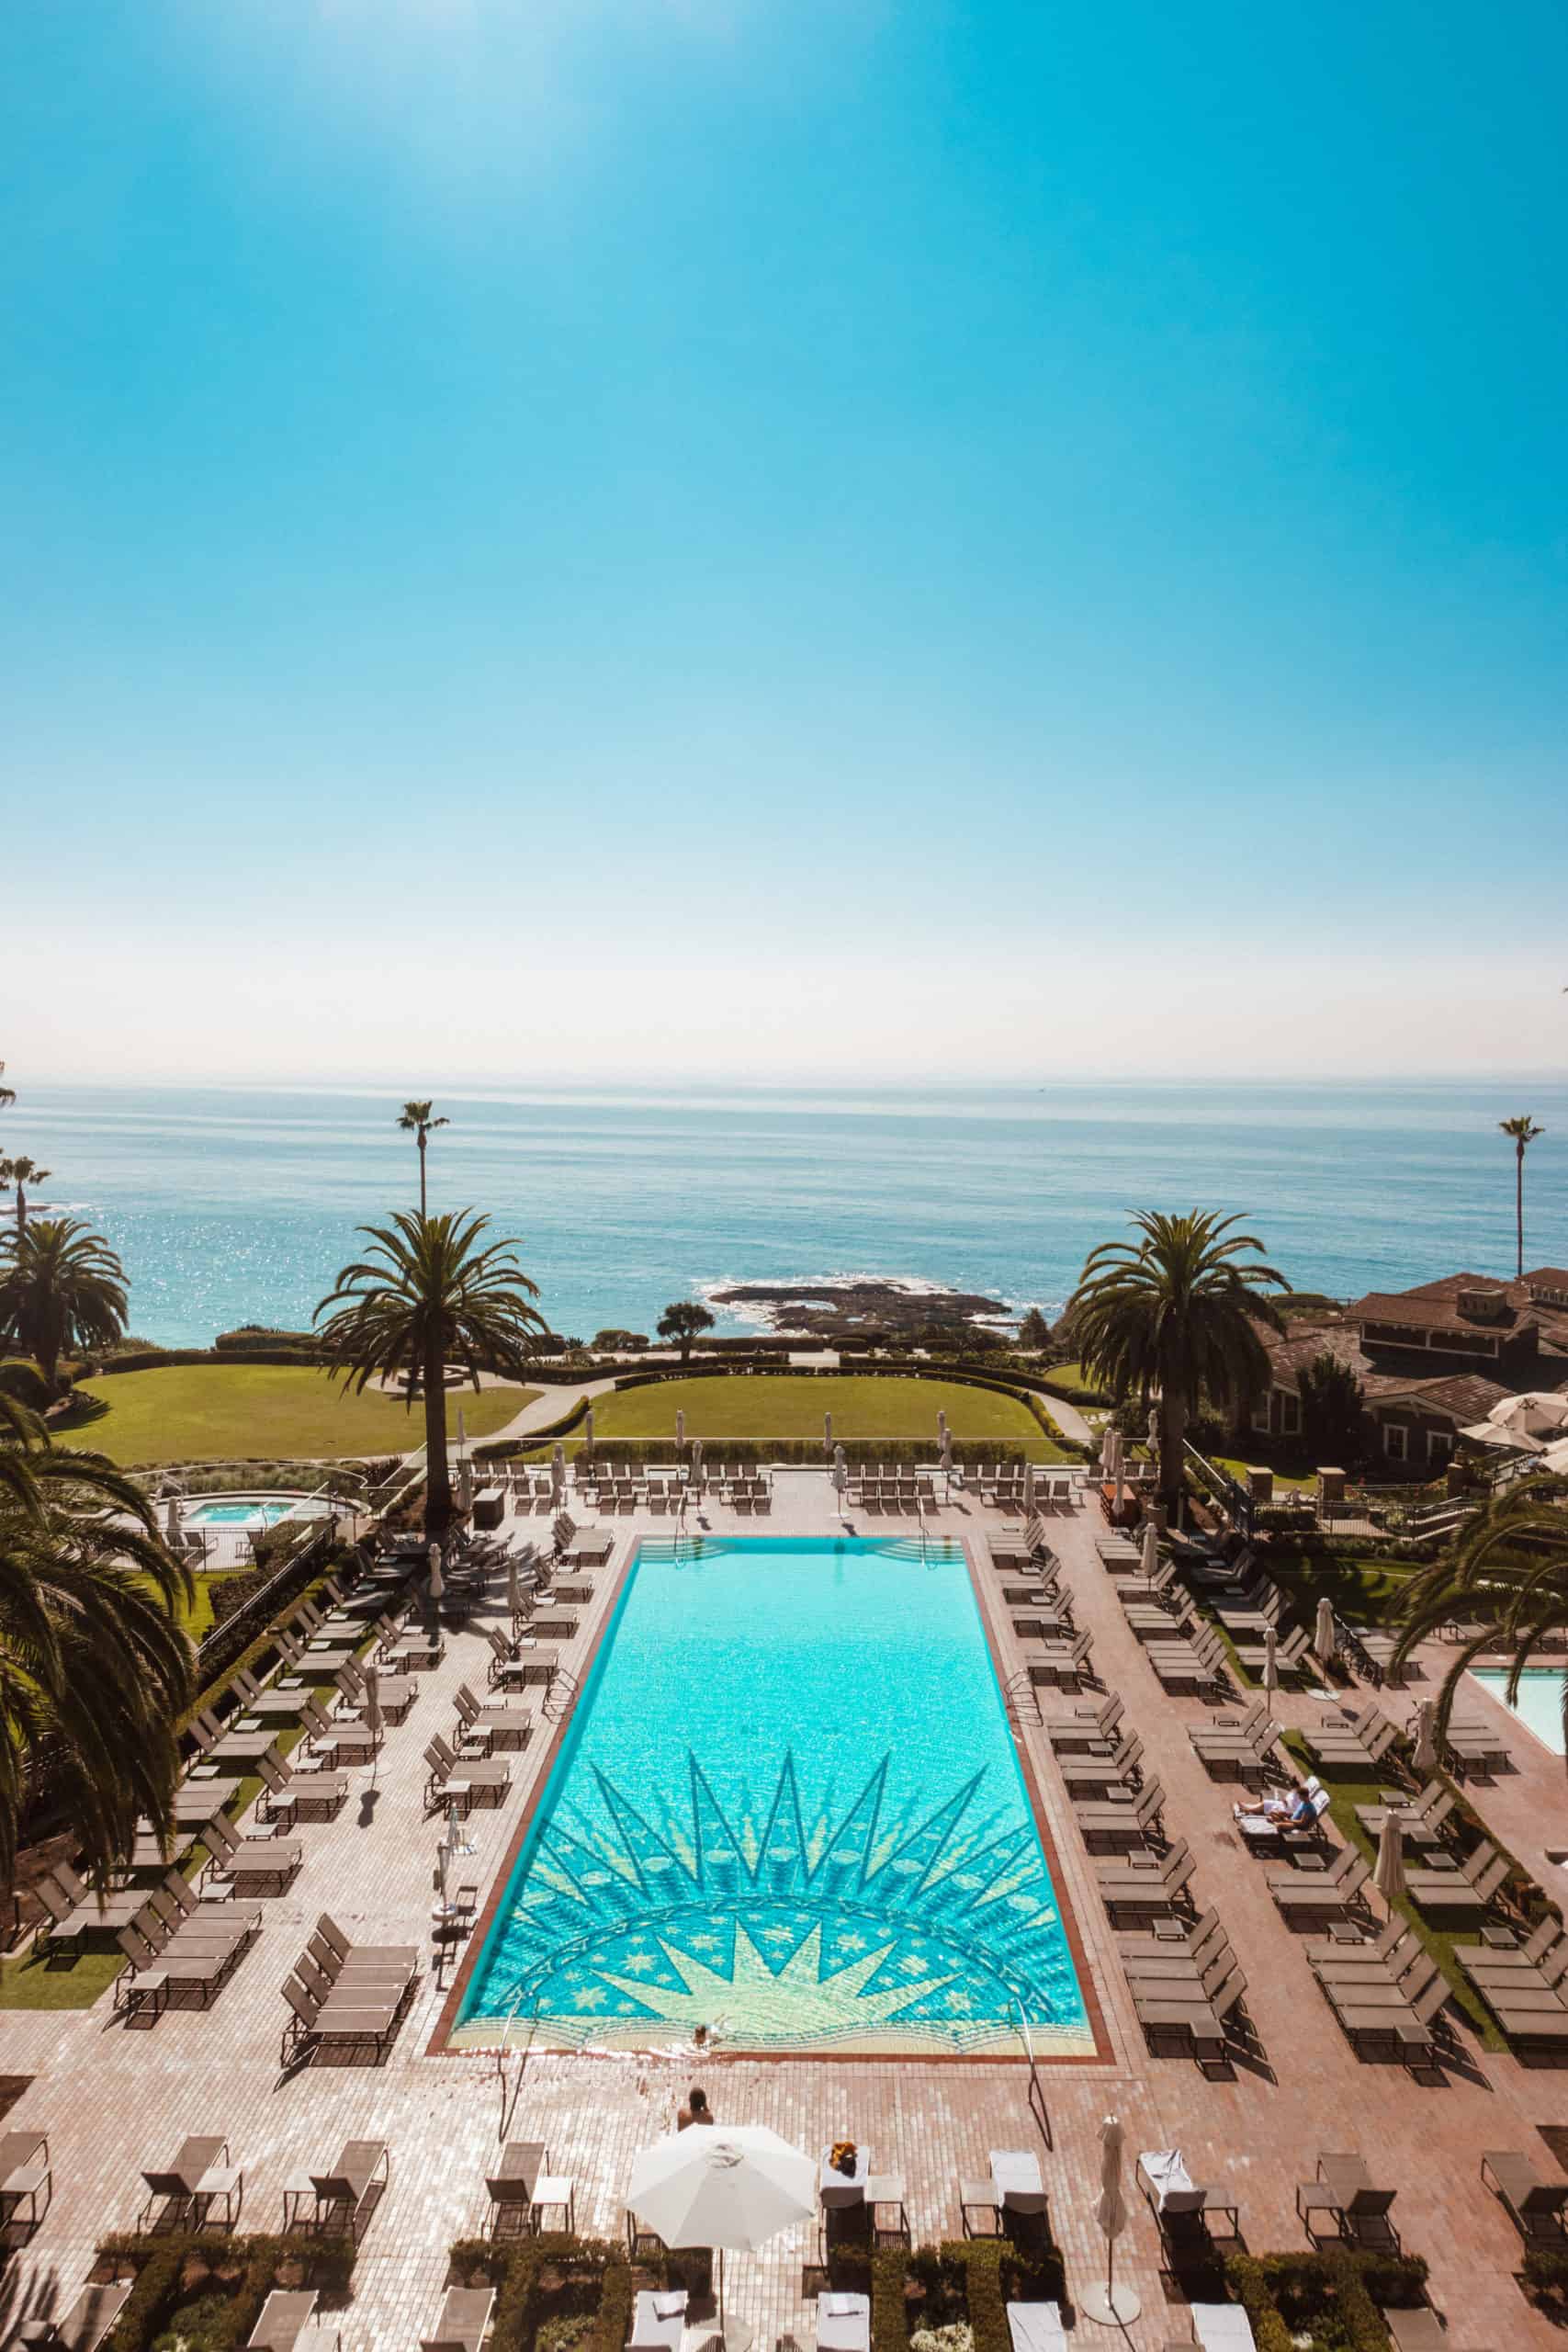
[1290, 1414]
[1440, 1446]
[1394, 1437]
[1260, 1418]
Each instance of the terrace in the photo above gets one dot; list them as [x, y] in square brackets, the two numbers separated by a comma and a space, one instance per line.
[115, 2097]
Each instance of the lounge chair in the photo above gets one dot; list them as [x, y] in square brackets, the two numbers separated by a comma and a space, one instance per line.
[843, 2322]
[658, 2320]
[1222, 2327]
[1534, 2206]
[1036, 2327]
[1113, 1825]
[233, 1861]
[185, 2190]
[347, 2194]
[1468, 1889]
[82, 2328]
[511, 2188]
[26, 2180]
[464, 2320]
[462, 1779]
[283, 2319]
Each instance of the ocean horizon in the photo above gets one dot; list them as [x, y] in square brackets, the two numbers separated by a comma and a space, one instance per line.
[233, 1204]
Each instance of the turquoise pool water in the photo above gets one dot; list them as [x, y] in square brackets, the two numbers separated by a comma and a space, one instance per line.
[237, 1514]
[1539, 1704]
[789, 1809]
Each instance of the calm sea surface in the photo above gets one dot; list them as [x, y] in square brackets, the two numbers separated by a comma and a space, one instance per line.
[236, 1205]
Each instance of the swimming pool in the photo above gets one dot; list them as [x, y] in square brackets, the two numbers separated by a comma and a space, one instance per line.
[247, 1513]
[1539, 1704]
[788, 1809]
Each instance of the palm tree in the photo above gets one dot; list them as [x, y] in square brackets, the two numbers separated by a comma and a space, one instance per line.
[21, 1173]
[1523, 1131]
[1175, 1314]
[94, 1671]
[60, 1285]
[416, 1120]
[426, 1292]
[1505, 1578]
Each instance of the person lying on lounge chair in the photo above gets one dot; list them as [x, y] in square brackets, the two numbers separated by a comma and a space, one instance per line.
[1295, 1811]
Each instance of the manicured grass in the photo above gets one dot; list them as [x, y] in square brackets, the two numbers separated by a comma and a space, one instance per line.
[781, 1407]
[29, 1984]
[1072, 1375]
[212, 1412]
[1285, 1482]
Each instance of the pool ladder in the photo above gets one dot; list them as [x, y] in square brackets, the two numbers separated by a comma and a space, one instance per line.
[1037, 2106]
[561, 1694]
[1021, 1697]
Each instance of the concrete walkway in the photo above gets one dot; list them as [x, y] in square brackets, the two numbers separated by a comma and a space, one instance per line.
[1070, 1422]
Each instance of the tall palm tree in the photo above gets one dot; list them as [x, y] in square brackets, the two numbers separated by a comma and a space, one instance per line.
[414, 1120]
[21, 1173]
[1506, 1578]
[95, 1671]
[424, 1293]
[1523, 1132]
[60, 1285]
[1174, 1314]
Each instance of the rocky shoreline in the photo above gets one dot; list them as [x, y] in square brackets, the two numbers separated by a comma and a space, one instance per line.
[831, 1310]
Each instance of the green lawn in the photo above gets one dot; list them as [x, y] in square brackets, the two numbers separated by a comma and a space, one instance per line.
[1365, 1592]
[1285, 1482]
[782, 1406]
[214, 1412]
[1072, 1375]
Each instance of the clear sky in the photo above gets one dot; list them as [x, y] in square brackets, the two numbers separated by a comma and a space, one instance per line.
[573, 536]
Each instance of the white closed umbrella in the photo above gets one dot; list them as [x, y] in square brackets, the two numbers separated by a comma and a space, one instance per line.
[1111, 2306]
[1424, 1761]
[1149, 1561]
[514, 1595]
[826, 1433]
[840, 1471]
[1324, 1639]
[457, 1840]
[942, 1428]
[588, 1426]
[172, 1523]
[465, 1484]
[373, 1699]
[1388, 1875]
[1270, 1661]
[437, 1581]
[731, 2187]
[947, 1454]
[1028, 1489]
[680, 1430]
[557, 1473]
[462, 1430]
[1118, 1464]
[696, 1470]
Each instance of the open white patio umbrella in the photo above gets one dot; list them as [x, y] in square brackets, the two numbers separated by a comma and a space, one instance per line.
[1111, 2306]
[437, 1581]
[1270, 1662]
[1423, 1758]
[1555, 1458]
[1149, 1561]
[1324, 1639]
[1388, 1875]
[1539, 1413]
[557, 1473]
[731, 2186]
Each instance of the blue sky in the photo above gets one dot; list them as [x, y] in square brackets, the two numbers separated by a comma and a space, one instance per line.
[716, 536]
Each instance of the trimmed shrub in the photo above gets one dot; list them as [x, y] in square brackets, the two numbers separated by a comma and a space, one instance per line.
[172, 2272]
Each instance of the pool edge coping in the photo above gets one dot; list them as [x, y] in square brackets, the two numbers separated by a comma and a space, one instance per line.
[440, 2045]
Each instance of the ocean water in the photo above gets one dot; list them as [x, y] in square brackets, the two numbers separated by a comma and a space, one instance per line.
[238, 1205]
[816, 1856]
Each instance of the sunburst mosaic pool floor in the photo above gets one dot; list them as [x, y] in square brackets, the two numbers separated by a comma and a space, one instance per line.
[788, 1816]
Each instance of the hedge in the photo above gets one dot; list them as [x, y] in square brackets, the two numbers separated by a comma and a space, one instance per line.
[161, 2286]
[514, 2271]
[1281, 2291]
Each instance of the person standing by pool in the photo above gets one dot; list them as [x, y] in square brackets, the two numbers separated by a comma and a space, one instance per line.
[696, 2110]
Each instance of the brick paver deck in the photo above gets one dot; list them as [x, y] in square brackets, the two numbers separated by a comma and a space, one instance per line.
[113, 2100]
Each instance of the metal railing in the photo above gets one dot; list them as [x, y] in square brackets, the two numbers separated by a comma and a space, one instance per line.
[1037, 2106]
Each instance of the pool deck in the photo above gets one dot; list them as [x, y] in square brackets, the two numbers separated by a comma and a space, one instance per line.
[113, 2100]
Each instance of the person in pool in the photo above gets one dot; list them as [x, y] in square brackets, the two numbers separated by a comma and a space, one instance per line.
[696, 2110]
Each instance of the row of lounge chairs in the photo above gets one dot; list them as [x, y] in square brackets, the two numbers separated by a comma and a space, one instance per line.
[1386, 1993]
[341, 1995]
[1191, 1992]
